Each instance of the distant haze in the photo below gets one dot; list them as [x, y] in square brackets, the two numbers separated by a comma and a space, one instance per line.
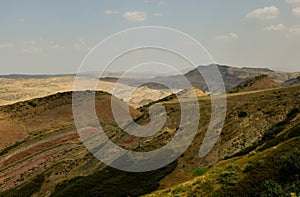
[44, 37]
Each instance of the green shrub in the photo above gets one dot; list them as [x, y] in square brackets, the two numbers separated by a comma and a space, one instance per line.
[294, 132]
[25, 189]
[177, 190]
[272, 189]
[296, 188]
[200, 171]
[269, 136]
[5, 150]
[32, 104]
[242, 114]
[228, 178]
[282, 165]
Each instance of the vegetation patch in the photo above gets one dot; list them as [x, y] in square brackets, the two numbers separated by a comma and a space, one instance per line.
[242, 114]
[270, 134]
[5, 150]
[168, 98]
[275, 172]
[200, 171]
[26, 189]
[32, 104]
[113, 182]
[294, 132]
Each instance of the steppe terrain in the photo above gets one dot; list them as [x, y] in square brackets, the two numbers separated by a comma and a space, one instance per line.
[13, 90]
[42, 154]
[16, 88]
[232, 76]
[49, 159]
[260, 82]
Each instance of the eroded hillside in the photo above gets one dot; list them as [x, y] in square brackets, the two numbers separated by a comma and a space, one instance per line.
[52, 160]
[14, 90]
[260, 82]
[49, 144]
[270, 167]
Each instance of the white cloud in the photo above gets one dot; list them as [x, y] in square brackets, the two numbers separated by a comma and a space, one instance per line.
[6, 46]
[266, 13]
[30, 42]
[109, 12]
[278, 27]
[158, 14]
[81, 45]
[296, 11]
[230, 36]
[56, 46]
[33, 50]
[295, 29]
[292, 1]
[135, 16]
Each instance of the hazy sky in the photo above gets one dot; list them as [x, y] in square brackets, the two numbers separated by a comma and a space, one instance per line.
[54, 36]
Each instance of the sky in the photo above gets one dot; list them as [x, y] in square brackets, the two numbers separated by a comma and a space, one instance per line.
[47, 37]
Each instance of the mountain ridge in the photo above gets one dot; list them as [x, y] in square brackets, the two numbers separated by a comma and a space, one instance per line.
[259, 82]
[293, 81]
[232, 76]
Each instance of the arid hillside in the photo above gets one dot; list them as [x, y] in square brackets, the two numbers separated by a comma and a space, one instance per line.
[260, 82]
[249, 116]
[49, 159]
[268, 167]
[13, 90]
[192, 91]
[232, 76]
[16, 88]
[293, 81]
[39, 136]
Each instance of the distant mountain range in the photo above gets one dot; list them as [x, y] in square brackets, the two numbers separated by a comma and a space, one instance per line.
[232, 77]
[90, 74]
[38, 76]
[294, 81]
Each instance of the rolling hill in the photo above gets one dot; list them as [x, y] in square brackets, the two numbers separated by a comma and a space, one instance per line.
[17, 88]
[232, 76]
[39, 137]
[294, 81]
[51, 160]
[192, 91]
[14, 89]
[260, 82]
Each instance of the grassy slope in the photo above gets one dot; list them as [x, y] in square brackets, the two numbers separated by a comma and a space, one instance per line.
[260, 82]
[112, 182]
[273, 166]
[187, 162]
[52, 145]
[118, 183]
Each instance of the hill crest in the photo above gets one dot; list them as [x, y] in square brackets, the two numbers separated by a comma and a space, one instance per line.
[259, 82]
